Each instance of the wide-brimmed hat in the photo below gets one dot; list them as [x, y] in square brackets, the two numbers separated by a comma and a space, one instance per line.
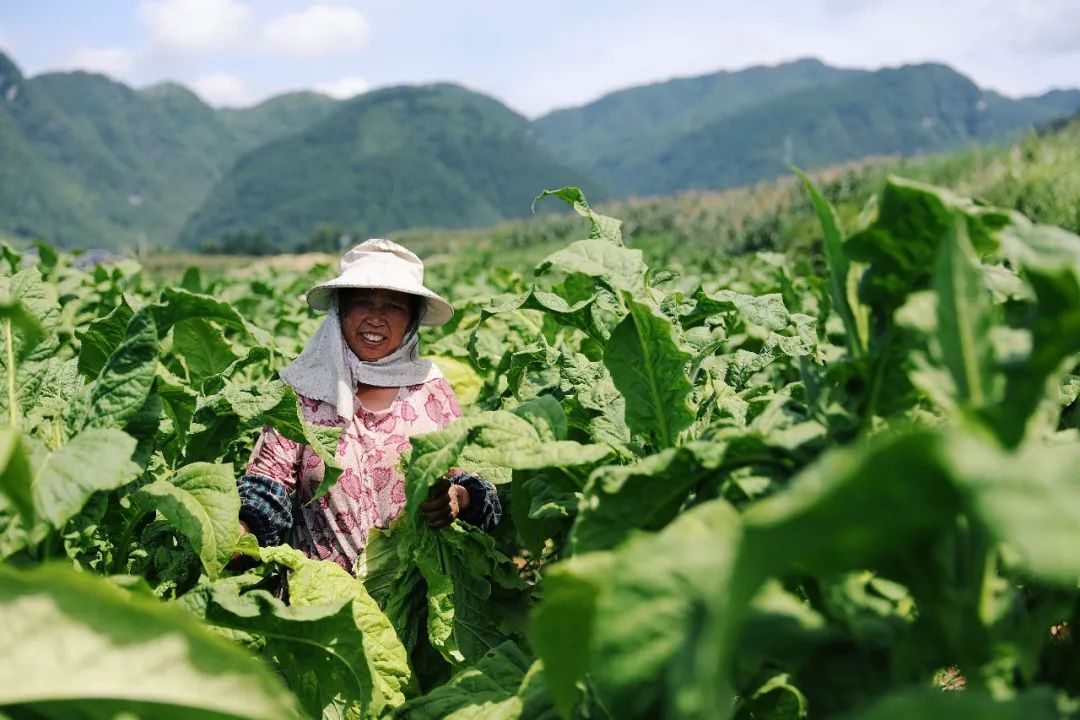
[385, 265]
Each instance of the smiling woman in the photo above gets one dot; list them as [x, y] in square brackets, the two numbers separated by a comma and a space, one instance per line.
[374, 322]
[361, 372]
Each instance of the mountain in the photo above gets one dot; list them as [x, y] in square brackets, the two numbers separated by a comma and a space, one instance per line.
[277, 117]
[142, 162]
[1058, 102]
[910, 110]
[648, 118]
[91, 162]
[86, 161]
[434, 155]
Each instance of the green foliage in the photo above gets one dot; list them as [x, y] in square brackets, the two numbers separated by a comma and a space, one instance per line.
[149, 660]
[200, 501]
[648, 368]
[764, 486]
[334, 646]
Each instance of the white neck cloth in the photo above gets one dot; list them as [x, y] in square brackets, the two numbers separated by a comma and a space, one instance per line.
[328, 370]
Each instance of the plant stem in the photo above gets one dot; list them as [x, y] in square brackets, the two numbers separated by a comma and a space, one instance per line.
[876, 374]
[13, 400]
[123, 547]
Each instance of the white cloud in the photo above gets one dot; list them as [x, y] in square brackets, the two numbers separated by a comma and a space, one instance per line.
[6, 44]
[113, 61]
[195, 26]
[222, 89]
[344, 88]
[318, 31]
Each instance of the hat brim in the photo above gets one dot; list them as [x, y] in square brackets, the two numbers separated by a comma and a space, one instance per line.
[437, 311]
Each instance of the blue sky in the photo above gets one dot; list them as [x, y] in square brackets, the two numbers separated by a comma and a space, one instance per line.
[534, 56]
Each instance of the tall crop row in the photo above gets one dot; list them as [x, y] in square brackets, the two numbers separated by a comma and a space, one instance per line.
[842, 486]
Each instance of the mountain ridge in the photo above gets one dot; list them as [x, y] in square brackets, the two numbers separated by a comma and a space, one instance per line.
[93, 162]
[398, 157]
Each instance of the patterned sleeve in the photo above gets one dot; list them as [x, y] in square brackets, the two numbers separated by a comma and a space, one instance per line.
[264, 489]
[442, 403]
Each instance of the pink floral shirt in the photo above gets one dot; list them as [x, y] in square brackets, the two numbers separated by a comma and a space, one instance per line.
[371, 490]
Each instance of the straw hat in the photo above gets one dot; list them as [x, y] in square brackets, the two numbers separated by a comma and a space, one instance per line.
[382, 264]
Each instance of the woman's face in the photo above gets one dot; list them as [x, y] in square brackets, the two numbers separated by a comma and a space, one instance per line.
[374, 322]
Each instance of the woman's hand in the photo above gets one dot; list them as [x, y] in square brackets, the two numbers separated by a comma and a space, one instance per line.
[445, 502]
[239, 559]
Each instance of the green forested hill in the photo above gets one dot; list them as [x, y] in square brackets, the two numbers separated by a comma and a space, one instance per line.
[275, 118]
[910, 110]
[36, 195]
[436, 155]
[141, 161]
[86, 161]
[91, 162]
[647, 119]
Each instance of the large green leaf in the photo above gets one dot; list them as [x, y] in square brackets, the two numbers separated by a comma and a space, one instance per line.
[77, 646]
[122, 386]
[645, 495]
[319, 647]
[855, 504]
[903, 243]
[94, 460]
[561, 626]
[853, 507]
[1054, 325]
[29, 318]
[30, 332]
[101, 338]
[16, 476]
[535, 360]
[671, 604]
[381, 562]
[578, 314]
[767, 311]
[506, 439]
[838, 264]
[203, 348]
[546, 416]
[459, 563]
[22, 335]
[600, 226]
[39, 300]
[621, 269]
[432, 455]
[1029, 500]
[648, 367]
[178, 304]
[462, 377]
[201, 501]
[625, 616]
[312, 582]
[502, 685]
[964, 318]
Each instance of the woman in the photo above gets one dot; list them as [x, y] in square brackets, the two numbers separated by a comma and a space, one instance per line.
[361, 372]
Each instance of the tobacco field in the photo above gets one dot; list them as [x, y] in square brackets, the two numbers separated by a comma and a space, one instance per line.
[842, 483]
